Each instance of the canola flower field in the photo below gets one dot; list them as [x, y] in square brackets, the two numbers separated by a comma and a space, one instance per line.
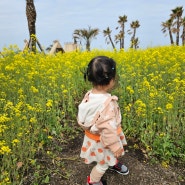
[39, 95]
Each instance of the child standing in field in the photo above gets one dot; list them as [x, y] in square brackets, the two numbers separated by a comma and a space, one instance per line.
[100, 117]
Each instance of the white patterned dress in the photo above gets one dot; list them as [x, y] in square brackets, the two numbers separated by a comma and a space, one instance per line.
[99, 116]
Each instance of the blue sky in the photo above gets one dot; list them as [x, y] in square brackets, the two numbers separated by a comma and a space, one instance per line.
[57, 20]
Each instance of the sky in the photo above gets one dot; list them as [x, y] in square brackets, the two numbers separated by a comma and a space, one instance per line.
[57, 20]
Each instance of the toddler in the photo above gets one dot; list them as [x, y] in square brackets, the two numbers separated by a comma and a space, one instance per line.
[99, 116]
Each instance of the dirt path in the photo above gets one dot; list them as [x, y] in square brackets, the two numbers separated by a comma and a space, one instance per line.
[141, 172]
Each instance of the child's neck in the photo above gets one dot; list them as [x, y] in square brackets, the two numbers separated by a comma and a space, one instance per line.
[99, 90]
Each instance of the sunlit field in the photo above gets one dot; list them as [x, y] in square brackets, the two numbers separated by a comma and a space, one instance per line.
[39, 95]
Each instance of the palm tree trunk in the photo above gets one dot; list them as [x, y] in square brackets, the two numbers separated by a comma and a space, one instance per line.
[123, 40]
[171, 37]
[111, 42]
[122, 43]
[178, 30]
[88, 46]
[31, 18]
[183, 36]
[133, 39]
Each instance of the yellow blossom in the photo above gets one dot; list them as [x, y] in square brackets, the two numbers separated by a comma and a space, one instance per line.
[165, 164]
[33, 120]
[169, 106]
[4, 118]
[15, 141]
[130, 90]
[5, 150]
[50, 137]
[49, 103]
[34, 89]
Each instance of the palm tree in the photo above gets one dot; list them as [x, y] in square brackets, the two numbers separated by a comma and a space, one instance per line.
[86, 34]
[122, 20]
[183, 31]
[134, 41]
[31, 18]
[118, 39]
[177, 14]
[107, 34]
[167, 26]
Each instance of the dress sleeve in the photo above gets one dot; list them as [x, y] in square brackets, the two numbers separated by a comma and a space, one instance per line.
[82, 111]
[107, 124]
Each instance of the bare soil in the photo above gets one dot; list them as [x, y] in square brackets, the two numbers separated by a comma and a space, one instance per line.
[74, 172]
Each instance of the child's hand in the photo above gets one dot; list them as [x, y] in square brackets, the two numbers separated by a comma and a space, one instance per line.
[118, 153]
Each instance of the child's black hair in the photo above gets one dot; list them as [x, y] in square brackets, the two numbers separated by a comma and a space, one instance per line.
[100, 70]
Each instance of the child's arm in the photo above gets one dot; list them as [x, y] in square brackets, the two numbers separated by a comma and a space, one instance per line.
[109, 137]
[108, 124]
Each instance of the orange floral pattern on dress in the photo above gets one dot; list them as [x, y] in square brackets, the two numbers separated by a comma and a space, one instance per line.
[102, 162]
[122, 137]
[84, 149]
[93, 154]
[108, 158]
[100, 150]
[88, 143]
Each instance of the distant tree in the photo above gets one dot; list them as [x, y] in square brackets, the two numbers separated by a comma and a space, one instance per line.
[107, 34]
[134, 41]
[177, 15]
[183, 31]
[167, 26]
[122, 20]
[118, 39]
[87, 35]
[31, 18]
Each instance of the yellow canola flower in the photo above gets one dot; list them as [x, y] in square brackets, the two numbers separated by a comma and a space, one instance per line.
[130, 90]
[33, 120]
[5, 181]
[3, 128]
[169, 106]
[9, 105]
[49, 103]
[4, 118]
[152, 95]
[50, 137]
[5, 150]
[20, 134]
[17, 112]
[15, 141]
[159, 110]
[165, 164]
[20, 91]
[30, 107]
[162, 134]
[34, 89]
[146, 84]
[140, 108]
[9, 68]
[128, 108]
[65, 91]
